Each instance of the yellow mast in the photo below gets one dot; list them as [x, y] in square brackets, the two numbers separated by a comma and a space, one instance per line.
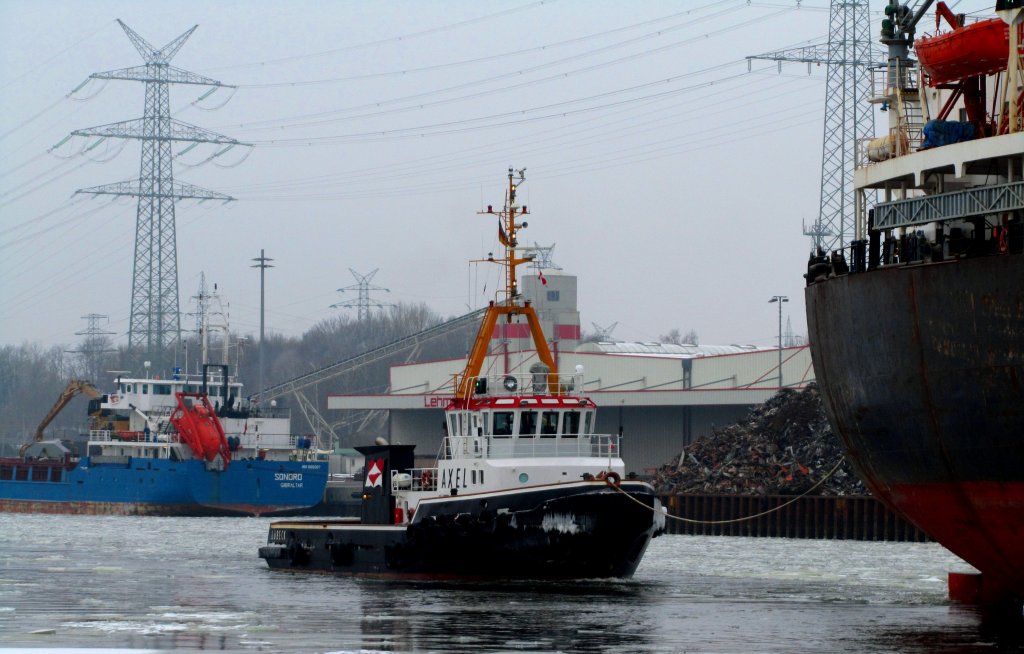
[513, 304]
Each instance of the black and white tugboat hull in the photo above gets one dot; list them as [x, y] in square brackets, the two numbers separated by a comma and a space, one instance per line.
[589, 529]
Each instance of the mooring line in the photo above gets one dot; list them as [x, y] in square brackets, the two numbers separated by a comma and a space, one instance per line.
[749, 517]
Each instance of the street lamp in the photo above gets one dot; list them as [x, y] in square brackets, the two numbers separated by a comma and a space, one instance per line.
[780, 299]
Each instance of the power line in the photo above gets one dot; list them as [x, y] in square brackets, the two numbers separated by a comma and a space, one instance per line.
[595, 129]
[74, 45]
[393, 39]
[470, 124]
[478, 60]
[281, 122]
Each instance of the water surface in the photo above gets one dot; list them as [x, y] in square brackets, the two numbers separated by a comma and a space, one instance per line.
[196, 583]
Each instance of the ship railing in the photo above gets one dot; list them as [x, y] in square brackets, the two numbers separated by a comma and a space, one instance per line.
[861, 147]
[895, 87]
[603, 446]
[526, 384]
[111, 436]
[894, 79]
[261, 411]
[414, 479]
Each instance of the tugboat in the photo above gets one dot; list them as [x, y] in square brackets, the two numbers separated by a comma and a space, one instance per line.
[918, 337]
[521, 488]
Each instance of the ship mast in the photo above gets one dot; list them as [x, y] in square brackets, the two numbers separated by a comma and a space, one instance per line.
[512, 304]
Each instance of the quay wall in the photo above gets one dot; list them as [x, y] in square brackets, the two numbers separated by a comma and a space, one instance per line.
[823, 517]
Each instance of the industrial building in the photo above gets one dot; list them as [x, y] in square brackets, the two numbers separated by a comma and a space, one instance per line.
[659, 396]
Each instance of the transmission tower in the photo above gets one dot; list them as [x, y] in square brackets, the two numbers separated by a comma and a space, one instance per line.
[604, 333]
[543, 260]
[849, 56]
[155, 322]
[363, 302]
[95, 344]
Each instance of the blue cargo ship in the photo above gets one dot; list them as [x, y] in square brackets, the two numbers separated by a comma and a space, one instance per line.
[140, 458]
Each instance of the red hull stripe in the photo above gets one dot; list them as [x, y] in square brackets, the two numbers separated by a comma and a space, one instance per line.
[981, 522]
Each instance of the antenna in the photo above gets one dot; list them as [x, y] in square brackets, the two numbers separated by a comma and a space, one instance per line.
[202, 300]
[508, 230]
[155, 323]
[818, 231]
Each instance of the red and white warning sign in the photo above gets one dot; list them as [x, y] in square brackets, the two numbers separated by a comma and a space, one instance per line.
[374, 473]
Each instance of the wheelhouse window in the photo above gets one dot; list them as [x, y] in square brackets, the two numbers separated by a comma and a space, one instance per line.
[588, 427]
[571, 426]
[549, 423]
[145, 389]
[527, 423]
[502, 423]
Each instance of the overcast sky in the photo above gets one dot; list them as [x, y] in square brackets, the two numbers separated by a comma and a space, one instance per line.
[674, 182]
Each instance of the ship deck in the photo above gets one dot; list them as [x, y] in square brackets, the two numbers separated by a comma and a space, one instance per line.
[976, 157]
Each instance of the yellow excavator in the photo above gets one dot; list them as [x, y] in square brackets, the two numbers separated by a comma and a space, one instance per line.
[74, 387]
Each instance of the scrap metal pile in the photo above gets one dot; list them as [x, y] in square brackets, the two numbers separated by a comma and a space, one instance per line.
[783, 447]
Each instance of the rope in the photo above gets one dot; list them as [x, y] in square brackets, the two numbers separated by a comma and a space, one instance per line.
[749, 517]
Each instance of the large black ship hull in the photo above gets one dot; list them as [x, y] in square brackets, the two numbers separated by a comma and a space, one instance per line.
[921, 369]
[579, 530]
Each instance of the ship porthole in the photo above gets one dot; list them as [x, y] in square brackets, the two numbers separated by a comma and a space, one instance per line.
[523, 477]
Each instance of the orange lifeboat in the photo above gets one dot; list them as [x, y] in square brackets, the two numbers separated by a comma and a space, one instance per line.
[981, 48]
[199, 428]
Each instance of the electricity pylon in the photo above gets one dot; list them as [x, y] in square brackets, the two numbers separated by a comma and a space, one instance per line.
[155, 324]
[94, 346]
[363, 302]
[849, 56]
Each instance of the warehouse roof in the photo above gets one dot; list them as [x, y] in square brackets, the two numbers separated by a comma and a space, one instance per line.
[669, 350]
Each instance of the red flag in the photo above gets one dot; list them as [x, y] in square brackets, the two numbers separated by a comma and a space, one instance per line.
[543, 279]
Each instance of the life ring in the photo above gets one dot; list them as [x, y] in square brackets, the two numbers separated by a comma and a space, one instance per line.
[425, 479]
[510, 383]
[612, 478]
